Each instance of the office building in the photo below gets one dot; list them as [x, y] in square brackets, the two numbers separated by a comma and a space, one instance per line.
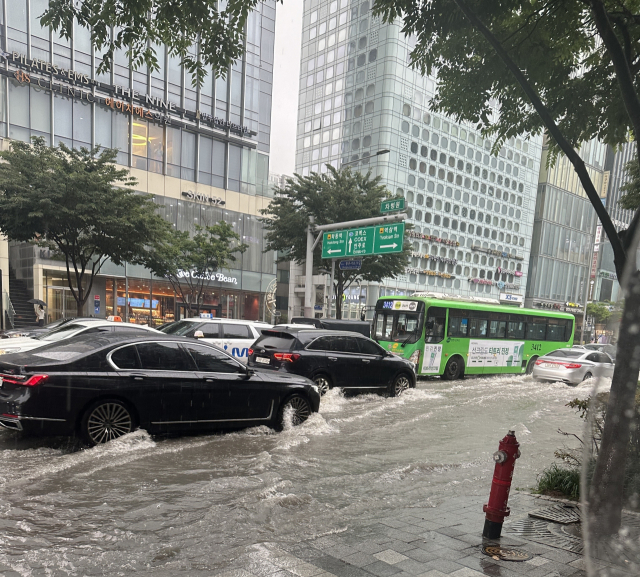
[362, 105]
[202, 153]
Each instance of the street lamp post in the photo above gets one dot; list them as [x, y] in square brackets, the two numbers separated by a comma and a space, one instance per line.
[383, 151]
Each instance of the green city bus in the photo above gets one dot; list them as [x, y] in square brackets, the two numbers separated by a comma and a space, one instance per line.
[452, 337]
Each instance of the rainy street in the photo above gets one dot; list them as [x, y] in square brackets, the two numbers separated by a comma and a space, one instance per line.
[180, 505]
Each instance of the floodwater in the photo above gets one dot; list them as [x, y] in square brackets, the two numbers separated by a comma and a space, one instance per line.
[182, 505]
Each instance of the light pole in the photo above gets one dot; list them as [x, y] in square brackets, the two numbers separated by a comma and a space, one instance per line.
[383, 151]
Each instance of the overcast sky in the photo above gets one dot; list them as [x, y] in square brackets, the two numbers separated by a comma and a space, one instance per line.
[286, 76]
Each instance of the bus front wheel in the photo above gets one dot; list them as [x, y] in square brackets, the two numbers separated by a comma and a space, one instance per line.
[454, 369]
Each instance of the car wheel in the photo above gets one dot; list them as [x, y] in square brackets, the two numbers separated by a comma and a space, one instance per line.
[400, 384]
[298, 406]
[106, 420]
[323, 383]
[587, 376]
[454, 369]
[532, 363]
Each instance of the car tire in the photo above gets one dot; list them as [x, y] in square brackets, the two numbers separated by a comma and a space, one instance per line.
[106, 420]
[399, 385]
[454, 369]
[532, 363]
[323, 382]
[301, 410]
[587, 376]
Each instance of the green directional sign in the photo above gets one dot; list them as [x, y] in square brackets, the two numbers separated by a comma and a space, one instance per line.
[363, 241]
[392, 204]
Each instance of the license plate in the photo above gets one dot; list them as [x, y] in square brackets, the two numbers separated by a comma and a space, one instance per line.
[0, 382]
[549, 365]
[263, 360]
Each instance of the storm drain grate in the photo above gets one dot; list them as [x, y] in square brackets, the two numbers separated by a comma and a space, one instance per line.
[500, 553]
[541, 532]
[561, 513]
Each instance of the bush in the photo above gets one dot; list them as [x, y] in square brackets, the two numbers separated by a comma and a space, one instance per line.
[559, 480]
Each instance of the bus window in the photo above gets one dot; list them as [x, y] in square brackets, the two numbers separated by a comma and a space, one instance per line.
[458, 327]
[497, 329]
[536, 329]
[388, 327]
[515, 330]
[379, 325]
[482, 328]
[434, 327]
[556, 330]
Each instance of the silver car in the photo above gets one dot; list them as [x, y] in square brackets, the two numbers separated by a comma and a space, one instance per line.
[573, 365]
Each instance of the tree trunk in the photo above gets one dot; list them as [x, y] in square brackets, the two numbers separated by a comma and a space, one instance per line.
[606, 497]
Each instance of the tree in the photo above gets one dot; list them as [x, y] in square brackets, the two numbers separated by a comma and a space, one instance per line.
[631, 199]
[79, 204]
[140, 26]
[190, 263]
[600, 311]
[568, 68]
[337, 196]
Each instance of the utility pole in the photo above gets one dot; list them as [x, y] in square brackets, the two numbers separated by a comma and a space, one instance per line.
[308, 277]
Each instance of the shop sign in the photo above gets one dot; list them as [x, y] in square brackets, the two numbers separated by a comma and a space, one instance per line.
[217, 276]
[607, 275]
[143, 105]
[510, 271]
[435, 258]
[510, 298]
[548, 305]
[412, 270]
[499, 253]
[500, 284]
[214, 200]
[432, 238]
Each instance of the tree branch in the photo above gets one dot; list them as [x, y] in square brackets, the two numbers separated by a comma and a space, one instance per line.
[620, 256]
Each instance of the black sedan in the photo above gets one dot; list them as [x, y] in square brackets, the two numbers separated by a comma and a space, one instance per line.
[106, 385]
[341, 359]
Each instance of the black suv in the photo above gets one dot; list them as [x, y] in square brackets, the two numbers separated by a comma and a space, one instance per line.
[332, 359]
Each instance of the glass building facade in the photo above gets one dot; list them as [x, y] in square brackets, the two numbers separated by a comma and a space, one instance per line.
[472, 213]
[202, 152]
[563, 259]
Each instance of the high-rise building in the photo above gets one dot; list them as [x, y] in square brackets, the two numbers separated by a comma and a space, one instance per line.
[202, 153]
[362, 105]
[563, 260]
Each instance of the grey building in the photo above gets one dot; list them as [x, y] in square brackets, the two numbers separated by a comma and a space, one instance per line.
[562, 248]
[202, 153]
[362, 105]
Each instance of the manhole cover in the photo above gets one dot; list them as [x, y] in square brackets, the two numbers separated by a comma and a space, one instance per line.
[505, 553]
[563, 514]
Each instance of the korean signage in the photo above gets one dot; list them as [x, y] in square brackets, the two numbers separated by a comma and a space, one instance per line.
[213, 200]
[67, 82]
[607, 275]
[433, 238]
[363, 241]
[509, 298]
[412, 270]
[502, 254]
[495, 353]
[431, 359]
[392, 205]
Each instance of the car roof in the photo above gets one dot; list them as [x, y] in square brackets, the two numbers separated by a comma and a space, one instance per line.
[105, 323]
[220, 320]
[306, 329]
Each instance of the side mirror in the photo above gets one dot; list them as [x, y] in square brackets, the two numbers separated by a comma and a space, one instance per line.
[198, 335]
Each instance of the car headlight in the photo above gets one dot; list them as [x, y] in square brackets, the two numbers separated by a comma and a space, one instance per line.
[17, 335]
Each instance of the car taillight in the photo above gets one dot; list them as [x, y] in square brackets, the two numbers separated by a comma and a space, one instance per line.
[288, 357]
[250, 352]
[32, 381]
[539, 362]
[571, 365]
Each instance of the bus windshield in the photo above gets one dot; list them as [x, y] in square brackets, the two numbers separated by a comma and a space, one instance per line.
[398, 326]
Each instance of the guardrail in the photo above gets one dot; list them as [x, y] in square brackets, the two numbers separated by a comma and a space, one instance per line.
[7, 307]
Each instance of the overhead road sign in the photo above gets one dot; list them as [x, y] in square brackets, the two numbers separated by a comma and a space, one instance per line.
[363, 241]
[392, 204]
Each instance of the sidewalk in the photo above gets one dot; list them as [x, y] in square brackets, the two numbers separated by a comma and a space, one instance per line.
[415, 542]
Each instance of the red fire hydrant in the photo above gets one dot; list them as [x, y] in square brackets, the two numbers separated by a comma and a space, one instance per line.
[496, 509]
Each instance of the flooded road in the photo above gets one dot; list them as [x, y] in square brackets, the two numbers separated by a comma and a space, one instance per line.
[184, 505]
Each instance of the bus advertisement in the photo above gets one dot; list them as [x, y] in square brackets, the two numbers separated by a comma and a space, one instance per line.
[450, 337]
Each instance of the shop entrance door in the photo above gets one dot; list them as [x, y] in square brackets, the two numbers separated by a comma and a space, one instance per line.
[61, 304]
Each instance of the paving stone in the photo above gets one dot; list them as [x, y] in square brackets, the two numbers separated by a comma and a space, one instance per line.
[452, 531]
[390, 556]
[359, 559]
[401, 546]
[433, 573]
[371, 548]
[451, 554]
[421, 555]
[561, 556]
[382, 569]
[411, 566]
[537, 561]
[466, 572]
[443, 565]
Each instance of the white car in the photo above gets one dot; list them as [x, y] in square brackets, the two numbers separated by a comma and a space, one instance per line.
[234, 336]
[68, 330]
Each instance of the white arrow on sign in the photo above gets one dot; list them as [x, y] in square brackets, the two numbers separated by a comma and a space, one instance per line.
[350, 242]
[333, 251]
[394, 245]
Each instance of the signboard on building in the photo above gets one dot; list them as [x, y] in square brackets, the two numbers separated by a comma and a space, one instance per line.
[353, 264]
[392, 204]
[511, 299]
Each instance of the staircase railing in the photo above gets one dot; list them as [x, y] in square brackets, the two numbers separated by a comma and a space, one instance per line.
[7, 307]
